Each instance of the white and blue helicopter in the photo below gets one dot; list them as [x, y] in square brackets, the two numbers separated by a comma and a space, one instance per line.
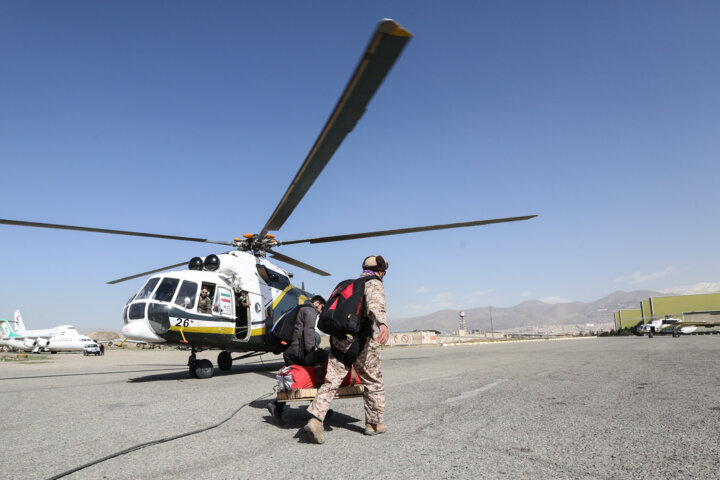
[249, 292]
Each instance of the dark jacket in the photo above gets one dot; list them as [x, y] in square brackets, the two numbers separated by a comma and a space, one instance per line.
[303, 335]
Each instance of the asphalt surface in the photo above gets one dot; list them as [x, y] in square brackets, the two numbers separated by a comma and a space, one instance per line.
[602, 408]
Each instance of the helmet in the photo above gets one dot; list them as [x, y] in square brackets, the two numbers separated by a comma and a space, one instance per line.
[375, 263]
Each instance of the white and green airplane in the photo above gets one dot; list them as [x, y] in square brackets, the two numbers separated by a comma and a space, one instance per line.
[64, 338]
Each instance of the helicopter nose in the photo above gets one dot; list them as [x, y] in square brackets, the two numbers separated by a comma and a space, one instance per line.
[140, 331]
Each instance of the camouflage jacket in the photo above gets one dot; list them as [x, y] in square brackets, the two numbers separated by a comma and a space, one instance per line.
[373, 308]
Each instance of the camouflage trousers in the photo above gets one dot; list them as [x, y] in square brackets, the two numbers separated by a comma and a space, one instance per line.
[369, 368]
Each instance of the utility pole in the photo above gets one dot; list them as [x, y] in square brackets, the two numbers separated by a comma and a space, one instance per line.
[492, 330]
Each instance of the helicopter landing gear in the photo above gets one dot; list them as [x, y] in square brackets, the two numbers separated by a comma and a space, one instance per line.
[224, 360]
[202, 368]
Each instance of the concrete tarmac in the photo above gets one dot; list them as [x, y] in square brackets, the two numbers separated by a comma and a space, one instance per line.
[604, 408]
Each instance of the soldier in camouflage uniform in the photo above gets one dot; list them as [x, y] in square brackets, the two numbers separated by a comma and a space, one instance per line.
[368, 364]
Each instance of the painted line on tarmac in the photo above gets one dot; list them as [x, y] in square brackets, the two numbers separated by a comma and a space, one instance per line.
[498, 342]
[476, 392]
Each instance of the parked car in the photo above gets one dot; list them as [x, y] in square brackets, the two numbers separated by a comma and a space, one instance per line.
[91, 349]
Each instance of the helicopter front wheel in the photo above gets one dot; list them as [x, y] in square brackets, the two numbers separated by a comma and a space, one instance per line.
[201, 369]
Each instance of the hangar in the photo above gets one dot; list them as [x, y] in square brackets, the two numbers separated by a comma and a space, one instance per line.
[689, 308]
[683, 306]
[628, 318]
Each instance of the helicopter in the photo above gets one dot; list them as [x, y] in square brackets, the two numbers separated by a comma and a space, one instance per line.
[248, 292]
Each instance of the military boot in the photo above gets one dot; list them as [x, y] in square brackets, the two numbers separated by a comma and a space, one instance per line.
[314, 429]
[375, 428]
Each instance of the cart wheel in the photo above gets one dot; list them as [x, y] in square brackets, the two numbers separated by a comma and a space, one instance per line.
[276, 410]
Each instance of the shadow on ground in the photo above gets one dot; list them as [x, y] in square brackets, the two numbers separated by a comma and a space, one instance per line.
[266, 369]
[295, 416]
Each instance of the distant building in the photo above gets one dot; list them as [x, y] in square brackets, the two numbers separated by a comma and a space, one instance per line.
[682, 306]
[628, 318]
[696, 308]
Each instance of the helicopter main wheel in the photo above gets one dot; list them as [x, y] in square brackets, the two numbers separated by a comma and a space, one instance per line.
[202, 369]
[224, 360]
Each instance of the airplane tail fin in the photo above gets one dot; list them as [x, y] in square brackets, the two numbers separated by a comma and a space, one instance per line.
[19, 324]
[7, 329]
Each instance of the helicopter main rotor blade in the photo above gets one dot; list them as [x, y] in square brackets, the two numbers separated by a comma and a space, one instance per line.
[22, 223]
[381, 233]
[146, 273]
[384, 48]
[297, 263]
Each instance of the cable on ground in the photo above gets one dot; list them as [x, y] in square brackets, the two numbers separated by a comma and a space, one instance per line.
[156, 442]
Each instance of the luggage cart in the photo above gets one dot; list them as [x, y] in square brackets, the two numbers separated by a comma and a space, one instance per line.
[308, 394]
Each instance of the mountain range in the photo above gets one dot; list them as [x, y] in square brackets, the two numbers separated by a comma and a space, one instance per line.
[532, 314]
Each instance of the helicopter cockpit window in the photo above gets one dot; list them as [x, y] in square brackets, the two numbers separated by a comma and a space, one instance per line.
[188, 291]
[145, 292]
[272, 278]
[137, 311]
[166, 290]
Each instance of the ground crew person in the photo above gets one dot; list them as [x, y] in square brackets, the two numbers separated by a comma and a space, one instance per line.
[303, 350]
[368, 364]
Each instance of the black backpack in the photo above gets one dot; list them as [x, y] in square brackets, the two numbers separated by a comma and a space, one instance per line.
[282, 332]
[342, 314]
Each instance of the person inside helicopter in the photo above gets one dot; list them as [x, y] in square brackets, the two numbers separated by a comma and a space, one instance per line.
[205, 302]
[241, 315]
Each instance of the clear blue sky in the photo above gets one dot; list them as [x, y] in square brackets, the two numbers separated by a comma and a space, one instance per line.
[191, 118]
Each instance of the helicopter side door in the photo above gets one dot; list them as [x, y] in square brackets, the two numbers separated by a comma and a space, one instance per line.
[223, 303]
[251, 315]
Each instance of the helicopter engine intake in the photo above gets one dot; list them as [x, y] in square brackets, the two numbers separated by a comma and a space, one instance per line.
[211, 263]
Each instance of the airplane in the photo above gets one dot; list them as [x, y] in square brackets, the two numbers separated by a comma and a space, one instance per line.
[64, 338]
[249, 292]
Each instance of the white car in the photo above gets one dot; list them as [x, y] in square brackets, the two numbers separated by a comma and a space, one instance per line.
[91, 349]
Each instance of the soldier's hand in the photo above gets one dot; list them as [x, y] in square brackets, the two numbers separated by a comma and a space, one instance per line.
[383, 336]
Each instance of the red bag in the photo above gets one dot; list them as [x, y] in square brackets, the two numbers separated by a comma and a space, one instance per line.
[303, 377]
[307, 377]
